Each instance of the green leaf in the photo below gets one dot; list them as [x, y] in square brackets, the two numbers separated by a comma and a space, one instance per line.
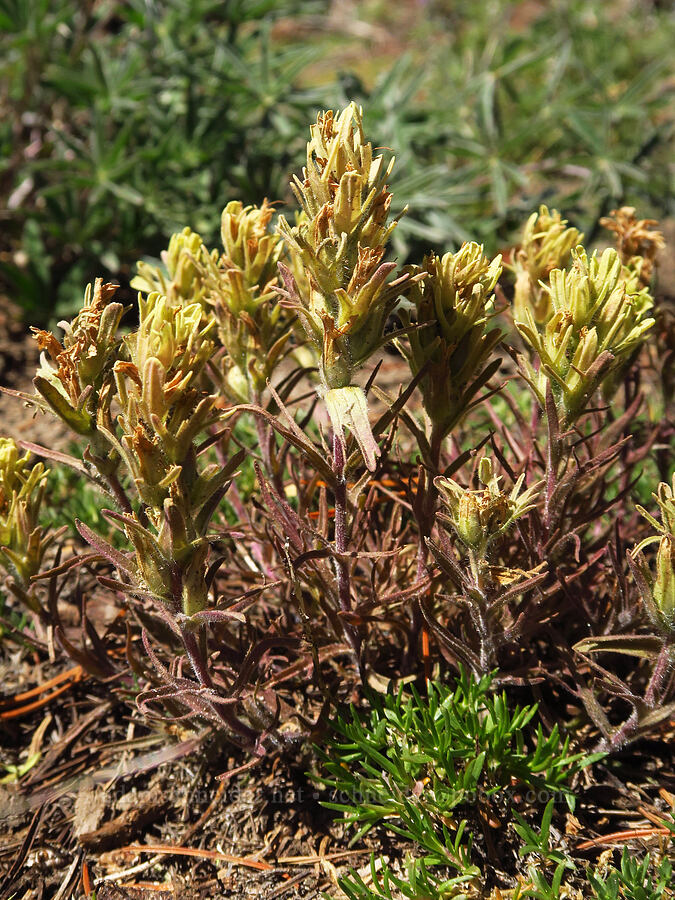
[646, 646]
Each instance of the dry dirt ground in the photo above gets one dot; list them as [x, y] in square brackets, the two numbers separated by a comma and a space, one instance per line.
[18, 361]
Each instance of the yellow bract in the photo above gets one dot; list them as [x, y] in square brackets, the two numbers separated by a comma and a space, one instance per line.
[546, 245]
[658, 590]
[598, 317]
[478, 517]
[22, 541]
[452, 303]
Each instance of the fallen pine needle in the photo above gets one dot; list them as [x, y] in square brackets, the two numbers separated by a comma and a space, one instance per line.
[75, 673]
[201, 854]
[86, 880]
[37, 704]
[653, 817]
[71, 677]
[150, 886]
[311, 860]
[618, 837]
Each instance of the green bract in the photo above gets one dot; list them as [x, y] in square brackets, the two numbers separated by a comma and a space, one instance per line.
[451, 303]
[23, 543]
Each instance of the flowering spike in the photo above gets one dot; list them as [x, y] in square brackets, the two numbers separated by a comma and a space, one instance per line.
[546, 245]
[597, 317]
[479, 517]
[451, 305]
[658, 590]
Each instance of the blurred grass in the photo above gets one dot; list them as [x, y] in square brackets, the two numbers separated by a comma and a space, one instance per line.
[120, 122]
[497, 107]
[123, 121]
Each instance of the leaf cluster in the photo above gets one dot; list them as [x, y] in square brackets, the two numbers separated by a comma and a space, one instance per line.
[426, 768]
[423, 767]
[633, 880]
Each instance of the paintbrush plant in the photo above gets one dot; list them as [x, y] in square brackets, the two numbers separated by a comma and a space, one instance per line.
[341, 242]
[75, 377]
[599, 317]
[637, 241]
[23, 541]
[178, 278]
[451, 302]
[481, 517]
[328, 554]
[142, 402]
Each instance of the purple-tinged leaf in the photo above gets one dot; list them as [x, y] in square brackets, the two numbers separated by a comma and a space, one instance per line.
[646, 646]
[78, 560]
[211, 616]
[154, 659]
[56, 456]
[448, 565]
[106, 550]
[456, 646]
[89, 663]
[256, 653]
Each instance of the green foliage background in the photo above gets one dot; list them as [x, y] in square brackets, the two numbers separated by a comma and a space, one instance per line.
[121, 122]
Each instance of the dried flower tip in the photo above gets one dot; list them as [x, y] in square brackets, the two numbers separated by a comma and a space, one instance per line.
[637, 240]
[479, 517]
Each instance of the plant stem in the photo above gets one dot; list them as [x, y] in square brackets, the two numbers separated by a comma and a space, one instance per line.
[659, 673]
[119, 493]
[623, 734]
[436, 445]
[196, 658]
[425, 524]
[341, 542]
[225, 712]
[264, 433]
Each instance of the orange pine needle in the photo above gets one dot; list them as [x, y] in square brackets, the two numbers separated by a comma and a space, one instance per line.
[426, 653]
[75, 673]
[618, 837]
[200, 854]
[44, 701]
[384, 482]
[86, 880]
[150, 886]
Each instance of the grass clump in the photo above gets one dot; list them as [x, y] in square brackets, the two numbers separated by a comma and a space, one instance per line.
[429, 768]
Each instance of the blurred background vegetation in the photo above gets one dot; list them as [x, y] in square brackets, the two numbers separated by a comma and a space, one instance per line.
[121, 122]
